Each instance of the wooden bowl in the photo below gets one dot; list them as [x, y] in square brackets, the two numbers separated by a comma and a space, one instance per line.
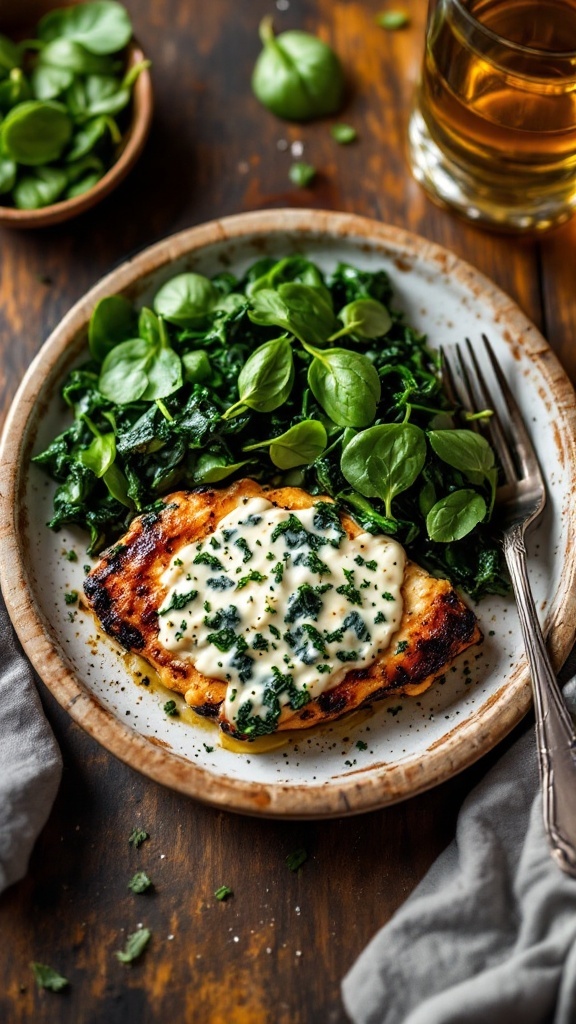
[132, 144]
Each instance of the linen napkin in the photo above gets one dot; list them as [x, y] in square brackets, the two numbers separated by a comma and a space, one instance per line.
[30, 761]
[489, 935]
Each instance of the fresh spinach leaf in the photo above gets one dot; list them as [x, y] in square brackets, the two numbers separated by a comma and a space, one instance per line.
[367, 318]
[186, 299]
[345, 384]
[298, 446]
[113, 321]
[297, 76]
[101, 27]
[266, 379]
[35, 132]
[40, 188]
[455, 516]
[384, 461]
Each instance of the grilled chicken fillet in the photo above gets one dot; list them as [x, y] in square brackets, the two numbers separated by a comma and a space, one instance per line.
[125, 592]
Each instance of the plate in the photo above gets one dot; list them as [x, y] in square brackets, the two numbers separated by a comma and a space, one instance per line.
[411, 744]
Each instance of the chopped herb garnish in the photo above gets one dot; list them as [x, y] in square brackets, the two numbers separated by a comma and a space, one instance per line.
[224, 618]
[223, 893]
[295, 860]
[275, 632]
[360, 745]
[387, 596]
[170, 707]
[214, 543]
[207, 748]
[137, 837]
[220, 583]
[224, 639]
[311, 561]
[348, 655]
[379, 617]
[87, 568]
[47, 977]
[394, 711]
[323, 668]
[242, 544]
[71, 597]
[278, 571]
[349, 590]
[135, 946]
[401, 646]
[356, 623]
[71, 556]
[177, 562]
[260, 642]
[204, 558]
[372, 564]
[179, 601]
[253, 577]
[139, 882]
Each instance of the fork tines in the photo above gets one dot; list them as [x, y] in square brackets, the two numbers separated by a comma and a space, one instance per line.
[466, 386]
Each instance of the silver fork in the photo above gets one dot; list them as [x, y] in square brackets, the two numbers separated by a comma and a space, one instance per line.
[520, 501]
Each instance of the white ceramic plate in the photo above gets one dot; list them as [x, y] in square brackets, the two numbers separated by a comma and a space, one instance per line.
[413, 743]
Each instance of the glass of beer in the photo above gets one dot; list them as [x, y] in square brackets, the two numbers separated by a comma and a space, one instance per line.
[493, 131]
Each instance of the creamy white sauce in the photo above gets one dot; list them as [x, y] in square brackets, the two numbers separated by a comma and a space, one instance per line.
[280, 605]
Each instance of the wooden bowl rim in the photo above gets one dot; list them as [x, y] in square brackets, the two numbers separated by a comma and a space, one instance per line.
[135, 139]
[357, 791]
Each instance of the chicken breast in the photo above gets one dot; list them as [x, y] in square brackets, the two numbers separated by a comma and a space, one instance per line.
[126, 592]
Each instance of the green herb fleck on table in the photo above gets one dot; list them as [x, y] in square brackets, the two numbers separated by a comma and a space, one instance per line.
[361, 745]
[170, 708]
[135, 946]
[223, 893]
[71, 556]
[343, 134]
[47, 977]
[71, 597]
[208, 748]
[139, 882]
[302, 174]
[392, 20]
[395, 710]
[137, 837]
[296, 859]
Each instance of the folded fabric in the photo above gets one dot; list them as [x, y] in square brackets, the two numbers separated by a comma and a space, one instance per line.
[489, 935]
[30, 761]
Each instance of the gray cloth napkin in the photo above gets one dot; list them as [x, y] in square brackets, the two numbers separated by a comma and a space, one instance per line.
[30, 761]
[489, 935]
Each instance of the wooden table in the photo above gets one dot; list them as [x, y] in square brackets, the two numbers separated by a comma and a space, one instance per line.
[276, 951]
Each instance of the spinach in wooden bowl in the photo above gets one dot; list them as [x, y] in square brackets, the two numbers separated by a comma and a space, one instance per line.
[61, 96]
[289, 377]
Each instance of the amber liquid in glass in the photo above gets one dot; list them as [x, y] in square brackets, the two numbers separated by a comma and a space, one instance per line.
[504, 115]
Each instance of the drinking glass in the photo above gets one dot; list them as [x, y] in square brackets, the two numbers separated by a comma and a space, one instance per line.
[493, 130]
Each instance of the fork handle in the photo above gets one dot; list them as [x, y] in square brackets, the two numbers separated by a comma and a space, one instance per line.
[556, 740]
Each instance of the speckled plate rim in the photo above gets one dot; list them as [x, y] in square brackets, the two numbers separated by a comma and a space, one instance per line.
[360, 791]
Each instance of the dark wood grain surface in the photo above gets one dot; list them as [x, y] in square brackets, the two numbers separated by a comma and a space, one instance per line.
[276, 951]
